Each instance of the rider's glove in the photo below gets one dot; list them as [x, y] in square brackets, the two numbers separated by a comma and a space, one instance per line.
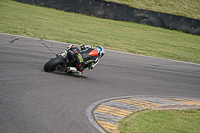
[84, 47]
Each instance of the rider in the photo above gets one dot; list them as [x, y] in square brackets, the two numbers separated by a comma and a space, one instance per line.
[87, 57]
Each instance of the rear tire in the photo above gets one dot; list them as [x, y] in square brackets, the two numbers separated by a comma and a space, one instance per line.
[50, 66]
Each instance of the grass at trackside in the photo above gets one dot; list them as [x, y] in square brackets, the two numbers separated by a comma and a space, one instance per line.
[160, 121]
[45, 23]
[187, 8]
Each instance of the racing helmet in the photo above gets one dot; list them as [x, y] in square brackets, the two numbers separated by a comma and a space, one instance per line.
[101, 51]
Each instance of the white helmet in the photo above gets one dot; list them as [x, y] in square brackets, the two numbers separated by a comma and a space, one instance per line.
[101, 51]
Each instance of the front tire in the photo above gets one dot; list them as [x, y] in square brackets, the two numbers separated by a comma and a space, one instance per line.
[51, 65]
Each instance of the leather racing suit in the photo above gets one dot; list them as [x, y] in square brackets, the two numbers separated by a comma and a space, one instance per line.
[88, 57]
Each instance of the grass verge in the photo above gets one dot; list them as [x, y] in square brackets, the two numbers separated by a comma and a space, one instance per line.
[161, 121]
[186, 8]
[51, 24]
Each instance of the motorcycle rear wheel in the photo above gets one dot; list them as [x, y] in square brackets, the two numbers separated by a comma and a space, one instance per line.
[51, 65]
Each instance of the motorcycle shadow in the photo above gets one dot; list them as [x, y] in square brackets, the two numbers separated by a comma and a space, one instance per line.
[70, 74]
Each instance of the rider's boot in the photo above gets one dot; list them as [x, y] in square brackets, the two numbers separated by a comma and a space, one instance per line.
[71, 69]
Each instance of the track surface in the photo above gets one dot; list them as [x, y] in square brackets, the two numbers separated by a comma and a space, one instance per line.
[33, 101]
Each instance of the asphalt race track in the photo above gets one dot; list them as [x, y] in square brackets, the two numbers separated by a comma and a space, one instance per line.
[34, 101]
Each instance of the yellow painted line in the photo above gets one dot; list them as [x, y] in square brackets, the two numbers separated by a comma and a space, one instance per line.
[183, 100]
[112, 130]
[112, 110]
[110, 127]
[110, 113]
[136, 102]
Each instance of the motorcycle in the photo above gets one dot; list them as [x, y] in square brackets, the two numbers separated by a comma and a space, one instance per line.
[62, 63]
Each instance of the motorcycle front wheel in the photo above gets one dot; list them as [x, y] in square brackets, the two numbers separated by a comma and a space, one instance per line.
[51, 65]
